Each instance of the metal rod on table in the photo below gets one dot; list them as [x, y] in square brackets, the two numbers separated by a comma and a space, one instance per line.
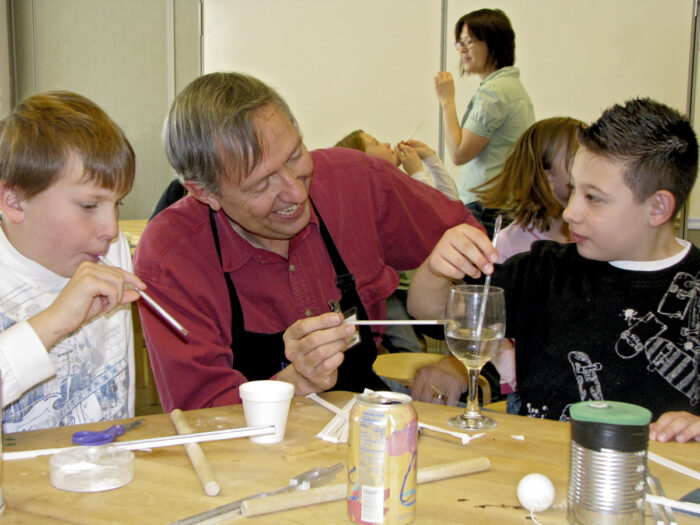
[167, 441]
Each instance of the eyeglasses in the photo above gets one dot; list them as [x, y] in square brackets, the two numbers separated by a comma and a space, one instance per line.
[464, 44]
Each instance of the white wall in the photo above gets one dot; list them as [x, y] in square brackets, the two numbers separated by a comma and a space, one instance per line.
[339, 64]
[5, 86]
[367, 63]
[579, 57]
[128, 56]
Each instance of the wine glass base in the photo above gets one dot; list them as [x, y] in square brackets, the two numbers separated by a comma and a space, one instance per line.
[472, 422]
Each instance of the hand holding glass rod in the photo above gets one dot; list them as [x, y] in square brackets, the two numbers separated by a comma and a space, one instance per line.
[159, 309]
[487, 283]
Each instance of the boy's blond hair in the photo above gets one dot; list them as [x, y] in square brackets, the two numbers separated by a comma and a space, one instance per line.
[37, 138]
[353, 140]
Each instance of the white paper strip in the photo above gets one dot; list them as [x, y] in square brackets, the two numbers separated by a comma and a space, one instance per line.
[673, 465]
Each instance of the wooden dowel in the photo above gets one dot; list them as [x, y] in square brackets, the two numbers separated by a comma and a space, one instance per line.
[303, 498]
[194, 451]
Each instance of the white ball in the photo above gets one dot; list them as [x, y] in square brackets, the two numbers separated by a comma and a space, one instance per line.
[536, 492]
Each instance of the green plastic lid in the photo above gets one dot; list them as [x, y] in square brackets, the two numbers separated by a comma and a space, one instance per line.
[612, 412]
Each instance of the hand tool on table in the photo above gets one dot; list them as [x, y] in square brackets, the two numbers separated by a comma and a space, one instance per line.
[662, 515]
[311, 478]
[101, 437]
[280, 502]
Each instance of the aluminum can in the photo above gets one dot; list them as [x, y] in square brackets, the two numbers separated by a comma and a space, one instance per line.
[382, 459]
[608, 463]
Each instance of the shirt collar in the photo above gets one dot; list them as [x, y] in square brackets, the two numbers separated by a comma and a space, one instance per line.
[508, 71]
[651, 266]
[237, 251]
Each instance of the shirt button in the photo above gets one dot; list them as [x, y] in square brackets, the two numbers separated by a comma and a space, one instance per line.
[291, 267]
[309, 313]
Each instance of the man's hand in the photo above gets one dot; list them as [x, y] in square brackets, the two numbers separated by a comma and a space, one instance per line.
[447, 377]
[678, 426]
[314, 347]
[93, 290]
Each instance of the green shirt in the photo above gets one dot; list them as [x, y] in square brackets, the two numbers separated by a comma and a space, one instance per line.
[500, 110]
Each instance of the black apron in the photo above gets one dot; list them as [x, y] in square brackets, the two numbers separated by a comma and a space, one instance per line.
[260, 356]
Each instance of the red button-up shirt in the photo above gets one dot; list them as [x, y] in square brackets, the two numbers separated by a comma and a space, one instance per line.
[380, 220]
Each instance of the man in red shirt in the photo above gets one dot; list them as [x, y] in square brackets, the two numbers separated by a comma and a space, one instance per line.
[270, 245]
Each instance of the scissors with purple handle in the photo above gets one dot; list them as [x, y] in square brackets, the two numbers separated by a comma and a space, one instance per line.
[90, 437]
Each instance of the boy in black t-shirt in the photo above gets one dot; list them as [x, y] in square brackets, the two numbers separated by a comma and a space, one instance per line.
[616, 314]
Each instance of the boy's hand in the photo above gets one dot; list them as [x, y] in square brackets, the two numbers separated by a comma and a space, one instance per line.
[314, 346]
[421, 148]
[410, 160]
[678, 426]
[93, 290]
[462, 250]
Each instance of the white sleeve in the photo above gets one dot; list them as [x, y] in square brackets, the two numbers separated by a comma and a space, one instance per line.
[424, 177]
[443, 181]
[24, 362]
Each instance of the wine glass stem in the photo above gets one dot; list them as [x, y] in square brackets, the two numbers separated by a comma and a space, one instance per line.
[473, 401]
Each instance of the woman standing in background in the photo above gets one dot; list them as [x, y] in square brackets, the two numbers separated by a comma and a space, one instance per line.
[497, 114]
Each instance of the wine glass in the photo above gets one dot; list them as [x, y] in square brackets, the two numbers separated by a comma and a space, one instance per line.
[475, 324]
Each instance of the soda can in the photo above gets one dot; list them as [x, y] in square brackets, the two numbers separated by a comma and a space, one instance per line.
[382, 459]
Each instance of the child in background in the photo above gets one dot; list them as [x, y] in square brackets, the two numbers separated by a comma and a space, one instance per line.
[415, 157]
[615, 315]
[534, 189]
[420, 163]
[66, 338]
[533, 186]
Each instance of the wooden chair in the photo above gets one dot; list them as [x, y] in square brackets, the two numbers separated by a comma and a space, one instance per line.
[402, 367]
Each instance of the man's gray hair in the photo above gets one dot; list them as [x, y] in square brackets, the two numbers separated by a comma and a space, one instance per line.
[209, 133]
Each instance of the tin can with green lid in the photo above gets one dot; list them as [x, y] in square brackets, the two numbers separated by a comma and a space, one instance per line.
[607, 466]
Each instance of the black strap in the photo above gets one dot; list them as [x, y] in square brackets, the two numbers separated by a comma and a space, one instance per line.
[354, 374]
[236, 311]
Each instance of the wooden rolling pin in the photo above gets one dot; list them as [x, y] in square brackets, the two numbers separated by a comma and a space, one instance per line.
[194, 451]
[303, 498]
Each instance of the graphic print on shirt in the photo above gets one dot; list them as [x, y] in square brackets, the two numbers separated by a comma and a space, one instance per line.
[586, 374]
[91, 373]
[669, 337]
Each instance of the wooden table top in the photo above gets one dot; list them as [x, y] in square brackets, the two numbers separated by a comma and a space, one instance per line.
[165, 487]
[132, 229]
